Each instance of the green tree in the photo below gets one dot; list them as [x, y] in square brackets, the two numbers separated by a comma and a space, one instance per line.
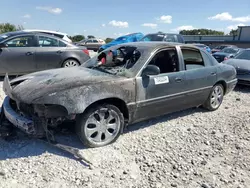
[233, 32]
[201, 32]
[107, 40]
[7, 27]
[77, 38]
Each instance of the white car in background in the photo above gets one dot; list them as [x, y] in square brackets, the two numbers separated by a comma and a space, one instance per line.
[63, 36]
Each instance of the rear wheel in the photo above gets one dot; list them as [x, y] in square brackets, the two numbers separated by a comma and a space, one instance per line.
[215, 98]
[100, 125]
[70, 63]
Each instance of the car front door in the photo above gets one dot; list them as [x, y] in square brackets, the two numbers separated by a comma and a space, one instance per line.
[200, 75]
[49, 53]
[18, 55]
[162, 93]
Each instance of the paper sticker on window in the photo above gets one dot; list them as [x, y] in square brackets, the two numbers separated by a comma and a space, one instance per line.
[161, 80]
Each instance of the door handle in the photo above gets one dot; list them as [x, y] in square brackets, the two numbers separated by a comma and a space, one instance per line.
[59, 51]
[213, 73]
[178, 79]
[29, 53]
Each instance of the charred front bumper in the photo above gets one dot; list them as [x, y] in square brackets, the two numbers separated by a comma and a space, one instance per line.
[26, 124]
[30, 118]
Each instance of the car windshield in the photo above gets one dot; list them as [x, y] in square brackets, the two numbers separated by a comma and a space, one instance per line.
[115, 60]
[153, 37]
[245, 54]
[220, 47]
[230, 50]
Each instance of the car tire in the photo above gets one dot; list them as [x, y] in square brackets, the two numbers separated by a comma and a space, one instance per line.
[70, 63]
[215, 98]
[100, 125]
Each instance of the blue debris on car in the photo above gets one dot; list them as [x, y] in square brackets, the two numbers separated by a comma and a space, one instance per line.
[132, 37]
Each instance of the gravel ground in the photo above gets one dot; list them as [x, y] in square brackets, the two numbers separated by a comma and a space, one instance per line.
[192, 148]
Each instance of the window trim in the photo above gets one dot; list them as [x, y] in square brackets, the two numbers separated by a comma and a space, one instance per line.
[154, 54]
[192, 49]
[38, 37]
[20, 36]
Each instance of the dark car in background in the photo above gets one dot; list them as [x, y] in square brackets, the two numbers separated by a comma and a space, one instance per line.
[221, 47]
[226, 53]
[24, 52]
[167, 37]
[203, 46]
[241, 62]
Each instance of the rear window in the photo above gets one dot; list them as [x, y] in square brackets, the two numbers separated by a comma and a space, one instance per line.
[58, 35]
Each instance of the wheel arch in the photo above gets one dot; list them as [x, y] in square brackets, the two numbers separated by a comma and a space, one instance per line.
[73, 58]
[224, 84]
[119, 103]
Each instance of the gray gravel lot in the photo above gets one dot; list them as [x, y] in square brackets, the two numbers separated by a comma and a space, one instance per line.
[192, 148]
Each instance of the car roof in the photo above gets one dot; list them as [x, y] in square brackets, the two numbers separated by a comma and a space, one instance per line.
[155, 44]
[17, 33]
[40, 30]
[161, 33]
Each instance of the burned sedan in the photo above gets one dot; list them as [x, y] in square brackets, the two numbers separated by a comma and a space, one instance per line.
[123, 84]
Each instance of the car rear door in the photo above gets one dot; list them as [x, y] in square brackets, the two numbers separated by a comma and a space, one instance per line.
[200, 75]
[49, 53]
[18, 55]
[163, 93]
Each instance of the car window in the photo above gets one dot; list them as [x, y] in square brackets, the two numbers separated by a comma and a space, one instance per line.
[89, 41]
[62, 44]
[245, 54]
[192, 59]
[95, 41]
[45, 41]
[24, 41]
[170, 38]
[230, 50]
[166, 60]
[153, 37]
[207, 59]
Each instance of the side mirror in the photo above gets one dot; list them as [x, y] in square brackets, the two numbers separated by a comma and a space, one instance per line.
[151, 70]
[3, 45]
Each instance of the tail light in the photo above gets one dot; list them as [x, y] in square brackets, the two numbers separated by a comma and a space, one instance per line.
[226, 58]
[86, 51]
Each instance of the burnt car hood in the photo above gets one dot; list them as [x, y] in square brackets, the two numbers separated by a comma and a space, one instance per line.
[239, 63]
[35, 85]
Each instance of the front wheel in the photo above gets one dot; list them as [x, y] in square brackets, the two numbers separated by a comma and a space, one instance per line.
[100, 125]
[215, 98]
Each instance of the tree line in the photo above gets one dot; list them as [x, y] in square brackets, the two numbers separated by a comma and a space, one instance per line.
[206, 32]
